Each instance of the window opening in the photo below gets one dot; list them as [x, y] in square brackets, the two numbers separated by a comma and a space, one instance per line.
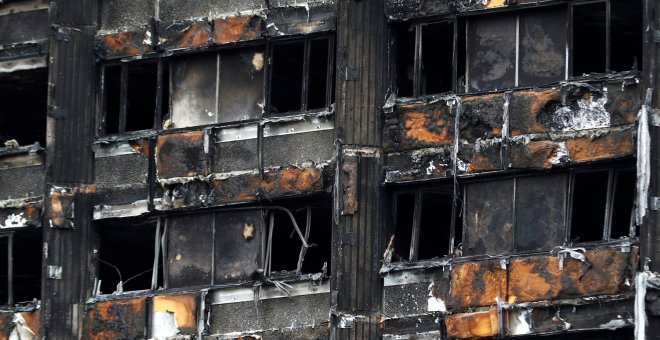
[589, 203]
[20, 266]
[626, 34]
[622, 204]
[24, 104]
[131, 93]
[319, 84]
[589, 38]
[287, 77]
[437, 57]
[128, 253]
[424, 220]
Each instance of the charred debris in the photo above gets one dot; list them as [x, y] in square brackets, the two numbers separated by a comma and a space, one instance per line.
[346, 169]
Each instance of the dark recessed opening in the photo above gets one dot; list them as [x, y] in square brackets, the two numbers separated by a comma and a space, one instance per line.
[405, 59]
[318, 74]
[287, 77]
[622, 204]
[437, 57]
[142, 84]
[405, 211]
[126, 253]
[626, 35]
[461, 55]
[435, 224]
[27, 264]
[111, 93]
[4, 270]
[286, 243]
[588, 207]
[24, 103]
[165, 108]
[589, 38]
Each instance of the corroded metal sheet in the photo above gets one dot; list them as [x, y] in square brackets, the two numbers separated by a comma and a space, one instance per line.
[534, 155]
[181, 307]
[610, 145]
[543, 278]
[20, 325]
[420, 125]
[475, 284]
[181, 155]
[122, 44]
[120, 319]
[234, 29]
[60, 207]
[472, 325]
[482, 117]
[527, 107]
[186, 35]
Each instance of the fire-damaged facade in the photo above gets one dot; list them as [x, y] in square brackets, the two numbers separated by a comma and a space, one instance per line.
[342, 169]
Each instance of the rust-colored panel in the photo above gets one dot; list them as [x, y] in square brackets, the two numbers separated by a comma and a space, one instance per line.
[423, 125]
[475, 284]
[486, 158]
[302, 27]
[196, 35]
[233, 29]
[60, 209]
[141, 146]
[535, 155]
[6, 325]
[472, 325]
[33, 322]
[526, 108]
[120, 319]
[349, 193]
[494, 3]
[181, 155]
[623, 105]
[121, 44]
[540, 278]
[184, 308]
[611, 145]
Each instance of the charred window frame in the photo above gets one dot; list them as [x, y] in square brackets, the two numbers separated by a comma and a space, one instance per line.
[537, 212]
[20, 266]
[426, 223]
[244, 244]
[134, 96]
[300, 75]
[129, 255]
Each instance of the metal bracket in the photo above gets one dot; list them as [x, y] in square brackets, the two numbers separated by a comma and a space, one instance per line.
[54, 272]
[348, 239]
[655, 117]
[352, 74]
[654, 203]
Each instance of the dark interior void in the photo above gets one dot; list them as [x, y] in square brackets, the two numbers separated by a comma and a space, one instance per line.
[287, 77]
[126, 253]
[405, 59]
[111, 94]
[404, 216]
[626, 34]
[435, 224]
[24, 103]
[142, 84]
[437, 57]
[26, 263]
[542, 46]
[241, 84]
[622, 204]
[589, 38]
[588, 206]
[286, 243]
[318, 74]
[461, 55]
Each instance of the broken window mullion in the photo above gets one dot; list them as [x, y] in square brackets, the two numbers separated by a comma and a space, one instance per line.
[123, 98]
[163, 247]
[568, 221]
[10, 269]
[102, 114]
[305, 77]
[417, 214]
[268, 79]
[608, 34]
[517, 61]
[154, 273]
[454, 69]
[303, 249]
[269, 245]
[467, 57]
[330, 72]
[417, 66]
[608, 206]
[569, 44]
[158, 112]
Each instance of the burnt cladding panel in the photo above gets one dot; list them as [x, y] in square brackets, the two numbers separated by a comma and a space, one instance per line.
[194, 90]
[237, 244]
[542, 46]
[489, 218]
[22, 182]
[116, 14]
[176, 10]
[298, 148]
[241, 84]
[491, 47]
[24, 26]
[540, 211]
[235, 156]
[120, 170]
[190, 250]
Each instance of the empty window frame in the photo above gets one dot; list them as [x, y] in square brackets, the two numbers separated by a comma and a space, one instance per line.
[24, 97]
[607, 36]
[128, 256]
[425, 222]
[301, 75]
[20, 266]
[539, 212]
[241, 244]
[425, 58]
[134, 96]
